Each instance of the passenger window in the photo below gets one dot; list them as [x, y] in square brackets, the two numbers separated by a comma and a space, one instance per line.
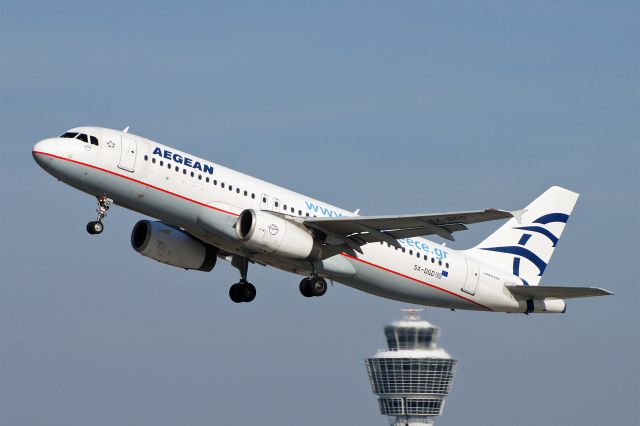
[83, 137]
[222, 185]
[199, 177]
[245, 193]
[192, 174]
[184, 171]
[146, 157]
[237, 190]
[69, 135]
[215, 182]
[207, 179]
[276, 204]
[299, 212]
[293, 210]
[411, 252]
[94, 140]
[253, 196]
[169, 166]
[161, 163]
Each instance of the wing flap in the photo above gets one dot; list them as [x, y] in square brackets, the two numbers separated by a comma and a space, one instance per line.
[556, 292]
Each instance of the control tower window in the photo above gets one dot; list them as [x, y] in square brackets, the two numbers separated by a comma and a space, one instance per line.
[69, 135]
[406, 338]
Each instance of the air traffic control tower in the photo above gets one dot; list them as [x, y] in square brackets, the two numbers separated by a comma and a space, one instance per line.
[413, 376]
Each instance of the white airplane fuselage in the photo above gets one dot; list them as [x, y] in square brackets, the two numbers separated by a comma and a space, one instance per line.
[205, 199]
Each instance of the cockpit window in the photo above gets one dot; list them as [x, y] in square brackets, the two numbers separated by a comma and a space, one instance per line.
[94, 140]
[83, 137]
[69, 135]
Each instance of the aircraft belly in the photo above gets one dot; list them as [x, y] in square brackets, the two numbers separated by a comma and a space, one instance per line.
[386, 284]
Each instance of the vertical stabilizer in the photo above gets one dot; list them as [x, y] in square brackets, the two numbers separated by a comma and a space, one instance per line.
[524, 245]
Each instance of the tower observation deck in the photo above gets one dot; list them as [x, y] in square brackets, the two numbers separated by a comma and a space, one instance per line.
[413, 376]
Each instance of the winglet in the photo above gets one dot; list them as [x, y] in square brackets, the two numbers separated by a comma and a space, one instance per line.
[126, 129]
[517, 214]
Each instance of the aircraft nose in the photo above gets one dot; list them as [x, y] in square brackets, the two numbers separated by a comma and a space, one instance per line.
[42, 152]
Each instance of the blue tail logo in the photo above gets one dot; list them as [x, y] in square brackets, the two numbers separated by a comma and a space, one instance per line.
[519, 251]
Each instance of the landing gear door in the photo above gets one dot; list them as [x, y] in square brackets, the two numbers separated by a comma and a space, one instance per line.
[473, 275]
[128, 153]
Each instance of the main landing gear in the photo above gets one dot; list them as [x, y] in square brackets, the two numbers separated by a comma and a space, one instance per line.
[313, 286]
[95, 226]
[242, 291]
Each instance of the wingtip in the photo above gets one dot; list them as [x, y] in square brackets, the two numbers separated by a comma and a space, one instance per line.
[517, 214]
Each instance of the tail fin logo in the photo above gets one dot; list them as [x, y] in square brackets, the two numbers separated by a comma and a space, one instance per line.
[519, 251]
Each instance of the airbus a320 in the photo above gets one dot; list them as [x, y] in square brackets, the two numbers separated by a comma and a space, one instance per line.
[207, 212]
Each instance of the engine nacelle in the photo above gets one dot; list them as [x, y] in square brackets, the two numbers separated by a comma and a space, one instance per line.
[172, 246]
[269, 233]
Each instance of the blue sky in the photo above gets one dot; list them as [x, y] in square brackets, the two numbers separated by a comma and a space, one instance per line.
[390, 107]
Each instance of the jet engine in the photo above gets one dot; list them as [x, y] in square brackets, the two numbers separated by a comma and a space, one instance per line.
[166, 244]
[269, 233]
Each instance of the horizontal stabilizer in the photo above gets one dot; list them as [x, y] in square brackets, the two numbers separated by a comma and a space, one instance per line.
[551, 292]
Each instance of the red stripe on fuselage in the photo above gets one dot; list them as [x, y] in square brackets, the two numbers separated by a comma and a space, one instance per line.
[416, 280]
[136, 181]
[234, 214]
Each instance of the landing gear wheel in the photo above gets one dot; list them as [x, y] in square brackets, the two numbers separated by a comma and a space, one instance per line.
[235, 294]
[242, 292]
[305, 287]
[317, 286]
[248, 292]
[95, 227]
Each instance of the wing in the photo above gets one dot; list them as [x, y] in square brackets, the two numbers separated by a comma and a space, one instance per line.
[358, 230]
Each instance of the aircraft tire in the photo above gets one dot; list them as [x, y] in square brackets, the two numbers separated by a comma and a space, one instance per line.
[235, 294]
[305, 287]
[317, 286]
[248, 292]
[95, 227]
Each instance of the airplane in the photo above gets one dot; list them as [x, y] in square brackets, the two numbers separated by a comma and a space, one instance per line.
[206, 212]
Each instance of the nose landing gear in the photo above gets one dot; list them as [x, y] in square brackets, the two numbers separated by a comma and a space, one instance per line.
[96, 227]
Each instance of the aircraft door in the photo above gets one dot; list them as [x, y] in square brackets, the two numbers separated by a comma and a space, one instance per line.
[128, 153]
[473, 275]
